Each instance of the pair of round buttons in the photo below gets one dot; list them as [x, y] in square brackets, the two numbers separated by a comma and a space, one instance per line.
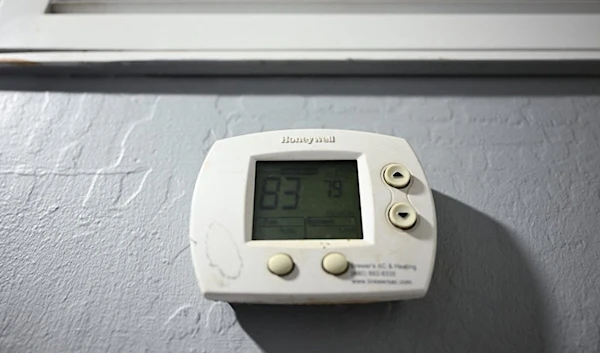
[282, 264]
[401, 215]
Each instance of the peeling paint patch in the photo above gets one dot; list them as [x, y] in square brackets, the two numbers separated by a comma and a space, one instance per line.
[183, 323]
[221, 317]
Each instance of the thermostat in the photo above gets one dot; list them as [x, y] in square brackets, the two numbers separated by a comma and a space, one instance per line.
[312, 217]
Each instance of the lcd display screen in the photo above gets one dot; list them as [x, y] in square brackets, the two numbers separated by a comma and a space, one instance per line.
[306, 200]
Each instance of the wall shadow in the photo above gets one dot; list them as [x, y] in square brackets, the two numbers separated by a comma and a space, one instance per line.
[311, 86]
[483, 298]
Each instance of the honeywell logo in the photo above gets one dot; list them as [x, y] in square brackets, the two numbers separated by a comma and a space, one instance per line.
[308, 140]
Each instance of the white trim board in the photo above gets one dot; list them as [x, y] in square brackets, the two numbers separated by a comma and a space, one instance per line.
[28, 34]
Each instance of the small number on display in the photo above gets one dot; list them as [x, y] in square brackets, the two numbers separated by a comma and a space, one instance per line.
[335, 188]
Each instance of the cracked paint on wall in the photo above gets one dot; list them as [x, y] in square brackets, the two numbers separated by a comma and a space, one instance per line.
[95, 191]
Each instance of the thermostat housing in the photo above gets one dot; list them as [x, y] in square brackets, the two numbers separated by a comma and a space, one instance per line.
[311, 217]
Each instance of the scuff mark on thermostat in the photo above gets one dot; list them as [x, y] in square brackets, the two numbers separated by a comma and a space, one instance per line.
[222, 252]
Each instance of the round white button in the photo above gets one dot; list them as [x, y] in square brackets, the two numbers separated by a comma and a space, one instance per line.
[335, 263]
[402, 215]
[280, 264]
[396, 175]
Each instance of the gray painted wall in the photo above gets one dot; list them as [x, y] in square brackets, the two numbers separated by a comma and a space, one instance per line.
[96, 178]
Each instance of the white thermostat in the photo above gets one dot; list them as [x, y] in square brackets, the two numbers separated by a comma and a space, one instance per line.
[312, 217]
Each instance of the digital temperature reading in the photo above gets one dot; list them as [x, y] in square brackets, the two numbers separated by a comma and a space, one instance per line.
[306, 200]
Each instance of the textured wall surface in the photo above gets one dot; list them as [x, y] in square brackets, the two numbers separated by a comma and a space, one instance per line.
[96, 179]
